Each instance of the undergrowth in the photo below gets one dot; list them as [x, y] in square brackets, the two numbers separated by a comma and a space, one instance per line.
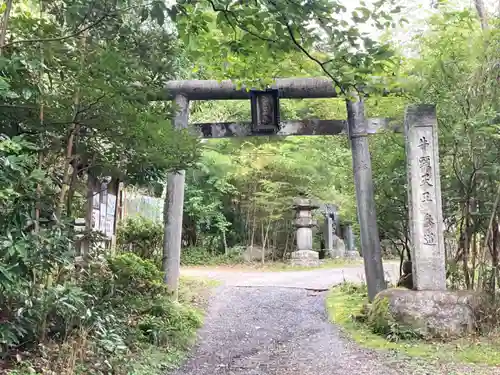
[144, 237]
[115, 317]
[373, 327]
[199, 256]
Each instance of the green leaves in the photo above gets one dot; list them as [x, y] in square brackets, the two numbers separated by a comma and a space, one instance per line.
[361, 15]
[157, 12]
[249, 42]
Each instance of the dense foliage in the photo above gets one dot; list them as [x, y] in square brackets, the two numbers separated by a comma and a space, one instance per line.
[103, 309]
[456, 69]
[77, 79]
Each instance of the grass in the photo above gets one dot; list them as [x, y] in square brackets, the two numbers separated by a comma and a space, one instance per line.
[194, 293]
[282, 266]
[341, 305]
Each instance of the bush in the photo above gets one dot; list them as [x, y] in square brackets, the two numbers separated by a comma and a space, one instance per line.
[36, 301]
[141, 236]
[136, 276]
[376, 316]
[60, 317]
[118, 304]
[199, 256]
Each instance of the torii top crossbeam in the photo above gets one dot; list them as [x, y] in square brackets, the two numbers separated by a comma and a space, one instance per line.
[289, 88]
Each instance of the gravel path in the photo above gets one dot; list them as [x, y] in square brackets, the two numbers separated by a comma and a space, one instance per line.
[318, 279]
[278, 331]
[258, 324]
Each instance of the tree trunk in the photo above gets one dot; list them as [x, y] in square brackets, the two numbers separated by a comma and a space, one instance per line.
[465, 258]
[73, 130]
[474, 260]
[482, 275]
[481, 12]
[71, 192]
[494, 247]
[252, 236]
[85, 244]
[67, 167]
[5, 22]
[224, 242]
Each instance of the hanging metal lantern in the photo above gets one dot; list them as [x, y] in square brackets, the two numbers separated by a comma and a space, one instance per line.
[265, 111]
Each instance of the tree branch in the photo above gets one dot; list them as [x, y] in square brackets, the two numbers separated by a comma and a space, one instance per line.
[238, 23]
[56, 39]
[311, 57]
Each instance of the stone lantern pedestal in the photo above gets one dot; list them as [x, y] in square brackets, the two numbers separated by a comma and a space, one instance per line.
[304, 255]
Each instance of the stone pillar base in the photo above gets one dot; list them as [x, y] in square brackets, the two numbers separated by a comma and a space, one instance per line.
[353, 254]
[307, 258]
[335, 253]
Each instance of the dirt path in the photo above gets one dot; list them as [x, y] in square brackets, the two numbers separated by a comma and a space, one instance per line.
[276, 324]
[318, 279]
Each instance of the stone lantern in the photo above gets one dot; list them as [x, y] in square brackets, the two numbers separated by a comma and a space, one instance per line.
[304, 255]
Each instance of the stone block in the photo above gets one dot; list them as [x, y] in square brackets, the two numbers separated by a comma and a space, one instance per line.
[253, 254]
[434, 314]
[338, 249]
[353, 254]
[307, 258]
[305, 222]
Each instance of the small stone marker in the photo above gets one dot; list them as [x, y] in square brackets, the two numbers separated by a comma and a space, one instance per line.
[424, 198]
[351, 251]
[328, 233]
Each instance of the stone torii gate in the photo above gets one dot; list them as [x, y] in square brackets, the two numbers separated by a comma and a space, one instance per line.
[424, 190]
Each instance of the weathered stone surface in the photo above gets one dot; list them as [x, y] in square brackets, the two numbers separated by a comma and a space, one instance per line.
[307, 258]
[440, 314]
[328, 233]
[365, 197]
[254, 253]
[348, 236]
[338, 249]
[304, 223]
[424, 197]
[305, 204]
[353, 254]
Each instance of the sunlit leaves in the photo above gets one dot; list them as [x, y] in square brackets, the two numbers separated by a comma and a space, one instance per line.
[246, 41]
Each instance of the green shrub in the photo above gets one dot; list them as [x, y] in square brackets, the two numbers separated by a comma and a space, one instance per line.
[377, 316]
[381, 322]
[136, 276]
[170, 323]
[142, 236]
[351, 288]
[36, 301]
[92, 316]
[199, 256]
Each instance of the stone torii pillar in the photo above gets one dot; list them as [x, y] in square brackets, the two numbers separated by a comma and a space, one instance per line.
[365, 197]
[304, 255]
[173, 209]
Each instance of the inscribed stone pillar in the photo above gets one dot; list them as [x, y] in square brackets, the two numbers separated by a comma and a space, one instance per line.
[424, 198]
[365, 199]
[304, 255]
[173, 210]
